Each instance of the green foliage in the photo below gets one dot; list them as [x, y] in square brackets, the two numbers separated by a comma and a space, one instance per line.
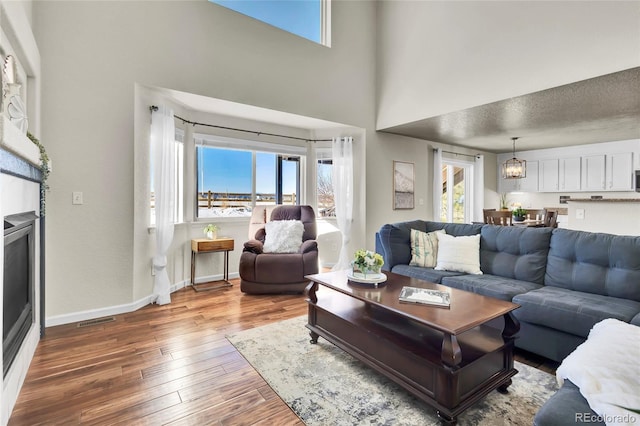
[519, 211]
[44, 169]
[210, 228]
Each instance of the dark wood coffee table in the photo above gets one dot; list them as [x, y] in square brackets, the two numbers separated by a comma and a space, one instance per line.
[448, 357]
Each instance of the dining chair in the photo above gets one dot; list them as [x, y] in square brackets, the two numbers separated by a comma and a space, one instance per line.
[551, 219]
[484, 213]
[534, 214]
[499, 217]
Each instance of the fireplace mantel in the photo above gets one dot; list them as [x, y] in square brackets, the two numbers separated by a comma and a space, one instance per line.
[13, 140]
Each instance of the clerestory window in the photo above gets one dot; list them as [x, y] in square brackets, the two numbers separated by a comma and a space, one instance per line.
[304, 18]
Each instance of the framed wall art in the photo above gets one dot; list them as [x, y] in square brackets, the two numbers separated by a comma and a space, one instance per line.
[403, 185]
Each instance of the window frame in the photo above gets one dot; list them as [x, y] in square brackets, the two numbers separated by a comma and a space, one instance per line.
[468, 167]
[282, 151]
[324, 156]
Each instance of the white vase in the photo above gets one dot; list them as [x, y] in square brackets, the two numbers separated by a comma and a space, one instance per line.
[212, 235]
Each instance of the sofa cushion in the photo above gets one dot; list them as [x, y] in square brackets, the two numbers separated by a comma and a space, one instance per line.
[566, 407]
[395, 239]
[490, 285]
[594, 263]
[571, 311]
[424, 248]
[461, 254]
[515, 252]
[426, 274]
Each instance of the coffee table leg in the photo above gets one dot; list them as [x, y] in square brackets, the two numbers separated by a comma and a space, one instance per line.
[511, 326]
[446, 419]
[503, 387]
[451, 353]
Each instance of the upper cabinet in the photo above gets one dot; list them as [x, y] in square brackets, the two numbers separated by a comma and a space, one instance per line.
[619, 172]
[593, 172]
[601, 167]
[549, 177]
[560, 174]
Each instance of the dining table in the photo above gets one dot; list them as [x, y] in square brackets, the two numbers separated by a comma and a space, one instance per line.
[530, 223]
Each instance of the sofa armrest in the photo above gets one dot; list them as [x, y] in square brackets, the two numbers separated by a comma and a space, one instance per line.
[395, 243]
[253, 246]
[308, 246]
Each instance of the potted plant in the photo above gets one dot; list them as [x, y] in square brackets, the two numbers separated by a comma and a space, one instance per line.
[366, 262]
[519, 214]
[211, 231]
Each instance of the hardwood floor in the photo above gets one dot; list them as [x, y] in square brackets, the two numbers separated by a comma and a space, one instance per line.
[161, 365]
[166, 364]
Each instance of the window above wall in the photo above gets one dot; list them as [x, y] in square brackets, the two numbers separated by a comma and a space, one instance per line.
[305, 18]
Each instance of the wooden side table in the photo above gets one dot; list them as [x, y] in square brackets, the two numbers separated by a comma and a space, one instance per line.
[202, 245]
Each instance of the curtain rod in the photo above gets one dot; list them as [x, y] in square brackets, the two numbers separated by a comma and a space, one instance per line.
[457, 153]
[194, 123]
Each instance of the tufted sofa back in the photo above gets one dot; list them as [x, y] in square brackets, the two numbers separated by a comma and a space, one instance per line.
[515, 252]
[397, 237]
[594, 263]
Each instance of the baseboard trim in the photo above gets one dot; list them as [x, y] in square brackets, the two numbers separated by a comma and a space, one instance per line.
[122, 309]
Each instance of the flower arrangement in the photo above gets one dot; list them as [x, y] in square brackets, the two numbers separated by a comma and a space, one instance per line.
[367, 262]
[211, 231]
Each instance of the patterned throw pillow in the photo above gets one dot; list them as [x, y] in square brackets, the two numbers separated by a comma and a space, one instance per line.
[424, 248]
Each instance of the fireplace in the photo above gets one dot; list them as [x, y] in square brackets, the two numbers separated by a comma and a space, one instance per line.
[19, 281]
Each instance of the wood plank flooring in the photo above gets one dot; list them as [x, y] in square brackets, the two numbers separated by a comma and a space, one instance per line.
[161, 365]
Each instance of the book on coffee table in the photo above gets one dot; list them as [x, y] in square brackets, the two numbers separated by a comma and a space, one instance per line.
[425, 296]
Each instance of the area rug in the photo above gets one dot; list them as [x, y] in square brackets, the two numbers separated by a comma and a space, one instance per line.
[324, 385]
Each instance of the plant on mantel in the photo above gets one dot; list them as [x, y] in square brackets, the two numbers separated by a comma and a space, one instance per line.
[44, 169]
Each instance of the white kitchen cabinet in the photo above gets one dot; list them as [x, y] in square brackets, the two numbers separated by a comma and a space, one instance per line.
[593, 172]
[619, 172]
[569, 173]
[548, 175]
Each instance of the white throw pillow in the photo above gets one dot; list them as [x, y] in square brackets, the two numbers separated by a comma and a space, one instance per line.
[460, 254]
[283, 236]
[424, 248]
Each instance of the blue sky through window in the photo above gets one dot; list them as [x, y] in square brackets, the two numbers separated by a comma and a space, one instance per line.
[300, 17]
[225, 170]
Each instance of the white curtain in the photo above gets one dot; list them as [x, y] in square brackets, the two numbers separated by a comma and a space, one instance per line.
[478, 189]
[342, 181]
[437, 183]
[163, 157]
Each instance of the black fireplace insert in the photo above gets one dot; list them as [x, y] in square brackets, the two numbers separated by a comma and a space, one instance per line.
[18, 284]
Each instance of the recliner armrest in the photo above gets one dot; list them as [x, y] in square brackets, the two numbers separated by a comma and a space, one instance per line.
[309, 246]
[254, 246]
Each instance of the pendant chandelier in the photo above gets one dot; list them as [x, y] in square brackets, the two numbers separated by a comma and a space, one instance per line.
[514, 168]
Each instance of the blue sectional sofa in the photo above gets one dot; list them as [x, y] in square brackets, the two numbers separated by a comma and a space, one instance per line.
[564, 281]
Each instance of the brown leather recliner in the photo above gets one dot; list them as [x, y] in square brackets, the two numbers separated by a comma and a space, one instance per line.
[278, 272]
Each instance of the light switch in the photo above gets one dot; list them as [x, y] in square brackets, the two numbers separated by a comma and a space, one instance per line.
[579, 213]
[76, 198]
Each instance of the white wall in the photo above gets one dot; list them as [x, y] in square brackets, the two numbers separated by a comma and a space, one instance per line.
[436, 56]
[93, 259]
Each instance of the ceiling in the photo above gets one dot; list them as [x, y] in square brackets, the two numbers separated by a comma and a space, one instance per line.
[600, 109]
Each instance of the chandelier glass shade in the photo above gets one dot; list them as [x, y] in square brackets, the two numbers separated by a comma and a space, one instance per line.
[514, 168]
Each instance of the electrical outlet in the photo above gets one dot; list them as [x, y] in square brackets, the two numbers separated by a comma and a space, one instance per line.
[76, 198]
[579, 213]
